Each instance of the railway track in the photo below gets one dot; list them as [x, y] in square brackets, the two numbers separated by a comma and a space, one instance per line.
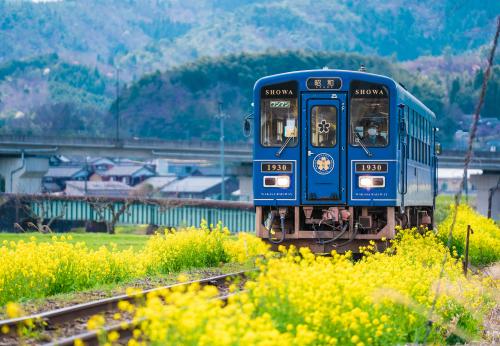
[65, 325]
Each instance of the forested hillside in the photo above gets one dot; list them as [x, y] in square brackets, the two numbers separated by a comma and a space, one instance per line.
[145, 35]
[44, 94]
[59, 59]
[181, 103]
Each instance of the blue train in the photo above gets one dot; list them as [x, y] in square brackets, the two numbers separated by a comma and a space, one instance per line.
[340, 158]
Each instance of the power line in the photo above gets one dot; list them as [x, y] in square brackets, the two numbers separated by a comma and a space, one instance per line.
[468, 159]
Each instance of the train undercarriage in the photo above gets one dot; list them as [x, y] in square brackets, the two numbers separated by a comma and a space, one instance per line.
[327, 228]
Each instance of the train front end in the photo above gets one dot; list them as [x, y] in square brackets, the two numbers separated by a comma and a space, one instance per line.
[326, 159]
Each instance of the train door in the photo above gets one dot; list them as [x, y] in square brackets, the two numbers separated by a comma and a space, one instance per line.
[323, 149]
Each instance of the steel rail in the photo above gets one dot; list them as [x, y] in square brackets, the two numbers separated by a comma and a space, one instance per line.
[124, 329]
[71, 313]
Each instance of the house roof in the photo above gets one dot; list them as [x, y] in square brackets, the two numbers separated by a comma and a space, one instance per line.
[124, 170]
[63, 172]
[207, 171]
[114, 188]
[193, 184]
[51, 187]
[158, 182]
[100, 161]
[93, 185]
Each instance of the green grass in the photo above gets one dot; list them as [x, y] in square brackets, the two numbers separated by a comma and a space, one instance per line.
[121, 229]
[93, 240]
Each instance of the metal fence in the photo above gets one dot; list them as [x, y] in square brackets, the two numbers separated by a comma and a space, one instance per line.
[238, 217]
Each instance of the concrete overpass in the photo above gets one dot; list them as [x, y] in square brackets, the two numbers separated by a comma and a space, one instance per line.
[485, 160]
[129, 148]
[42, 146]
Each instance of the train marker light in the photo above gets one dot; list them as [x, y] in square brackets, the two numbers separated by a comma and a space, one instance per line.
[368, 181]
[283, 181]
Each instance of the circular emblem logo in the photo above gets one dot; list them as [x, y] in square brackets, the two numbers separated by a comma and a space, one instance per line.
[323, 163]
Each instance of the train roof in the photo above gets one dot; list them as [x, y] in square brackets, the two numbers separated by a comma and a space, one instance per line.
[353, 75]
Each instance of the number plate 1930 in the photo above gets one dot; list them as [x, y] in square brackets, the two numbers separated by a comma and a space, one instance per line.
[284, 167]
[365, 167]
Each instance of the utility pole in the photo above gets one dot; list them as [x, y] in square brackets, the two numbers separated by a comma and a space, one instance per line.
[222, 168]
[466, 186]
[117, 104]
[87, 177]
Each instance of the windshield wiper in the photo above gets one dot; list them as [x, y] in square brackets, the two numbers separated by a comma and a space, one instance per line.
[359, 140]
[278, 154]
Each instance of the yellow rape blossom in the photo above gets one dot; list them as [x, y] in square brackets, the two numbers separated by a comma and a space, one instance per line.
[484, 245]
[302, 299]
[38, 269]
[13, 310]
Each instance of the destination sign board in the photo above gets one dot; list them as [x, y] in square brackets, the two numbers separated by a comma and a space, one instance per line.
[324, 83]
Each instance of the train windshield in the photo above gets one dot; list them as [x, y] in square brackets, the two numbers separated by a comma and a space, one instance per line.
[279, 115]
[369, 105]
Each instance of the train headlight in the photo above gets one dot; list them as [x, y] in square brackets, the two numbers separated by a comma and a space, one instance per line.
[281, 181]
[369, 181]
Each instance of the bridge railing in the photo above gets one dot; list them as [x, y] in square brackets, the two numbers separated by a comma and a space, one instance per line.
[111, 142]
[178, 213]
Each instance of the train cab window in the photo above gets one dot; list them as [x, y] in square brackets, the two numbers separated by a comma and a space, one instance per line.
[369, 106]
[279, 115]
[324, 126]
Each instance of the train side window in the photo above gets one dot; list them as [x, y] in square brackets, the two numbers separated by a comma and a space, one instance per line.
[416, 125]
[419, 127]
[427, 154]
[421, 147]
[422, 128]
[410, 148]
[417, 150]
[279, 114]
[410, 122]
[324, 126]
[425, 131]
[415, 131]
[369, 114]
[428, 131]
[423, 152]
[413, 148]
